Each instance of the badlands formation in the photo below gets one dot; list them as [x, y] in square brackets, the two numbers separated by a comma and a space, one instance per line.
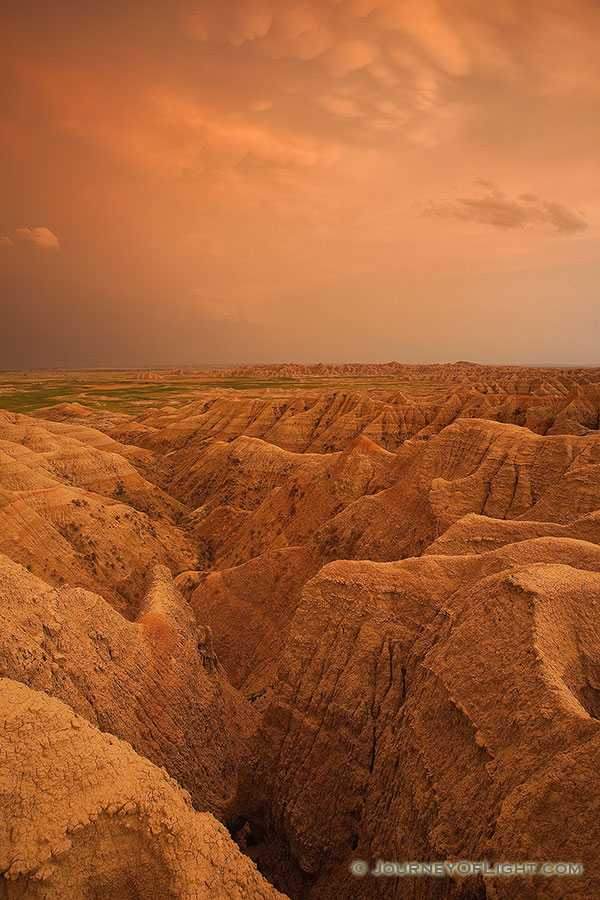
[248, 639]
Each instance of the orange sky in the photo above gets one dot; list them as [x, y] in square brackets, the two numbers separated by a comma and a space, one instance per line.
[336, 180]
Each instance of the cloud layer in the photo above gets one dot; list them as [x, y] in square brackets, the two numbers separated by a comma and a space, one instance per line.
[495, 209]
[293, 173]
[40, 237]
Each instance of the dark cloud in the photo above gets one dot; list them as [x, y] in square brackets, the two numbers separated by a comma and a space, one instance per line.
[494, 208]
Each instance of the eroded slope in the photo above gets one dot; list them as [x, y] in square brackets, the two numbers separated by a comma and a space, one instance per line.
[86, 816]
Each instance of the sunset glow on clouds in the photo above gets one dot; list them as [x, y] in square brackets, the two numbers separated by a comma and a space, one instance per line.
[313, 179]
[39, 236]
[493, 208]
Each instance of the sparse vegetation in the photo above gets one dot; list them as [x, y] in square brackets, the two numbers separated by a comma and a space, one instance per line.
[121, 495]
[206, 554]
[123, 392]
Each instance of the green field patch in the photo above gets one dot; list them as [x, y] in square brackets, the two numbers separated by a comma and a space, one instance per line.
[126, 393]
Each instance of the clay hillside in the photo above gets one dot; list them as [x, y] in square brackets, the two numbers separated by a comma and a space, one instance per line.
[348, 613]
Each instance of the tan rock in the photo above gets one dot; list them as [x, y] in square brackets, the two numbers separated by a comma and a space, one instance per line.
[424, 709]
[154, 682]
[83, 814]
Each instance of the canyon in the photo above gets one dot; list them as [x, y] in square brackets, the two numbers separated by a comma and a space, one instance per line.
[255, 633]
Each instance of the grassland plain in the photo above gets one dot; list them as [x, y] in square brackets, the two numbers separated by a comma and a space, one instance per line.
[130, 392]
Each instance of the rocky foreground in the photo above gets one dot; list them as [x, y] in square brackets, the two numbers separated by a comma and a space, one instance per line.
[248, 640]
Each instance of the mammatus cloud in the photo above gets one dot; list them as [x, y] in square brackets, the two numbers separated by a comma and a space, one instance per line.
[275, 153]
[494, 208]
[39, 236]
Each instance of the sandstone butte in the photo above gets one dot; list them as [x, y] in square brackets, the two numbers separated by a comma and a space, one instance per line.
[247, 639]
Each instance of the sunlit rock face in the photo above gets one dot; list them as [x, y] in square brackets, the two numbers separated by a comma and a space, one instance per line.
[88, 813]
[261, 628]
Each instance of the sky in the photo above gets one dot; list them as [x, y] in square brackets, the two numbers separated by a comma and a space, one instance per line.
[230, 181]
